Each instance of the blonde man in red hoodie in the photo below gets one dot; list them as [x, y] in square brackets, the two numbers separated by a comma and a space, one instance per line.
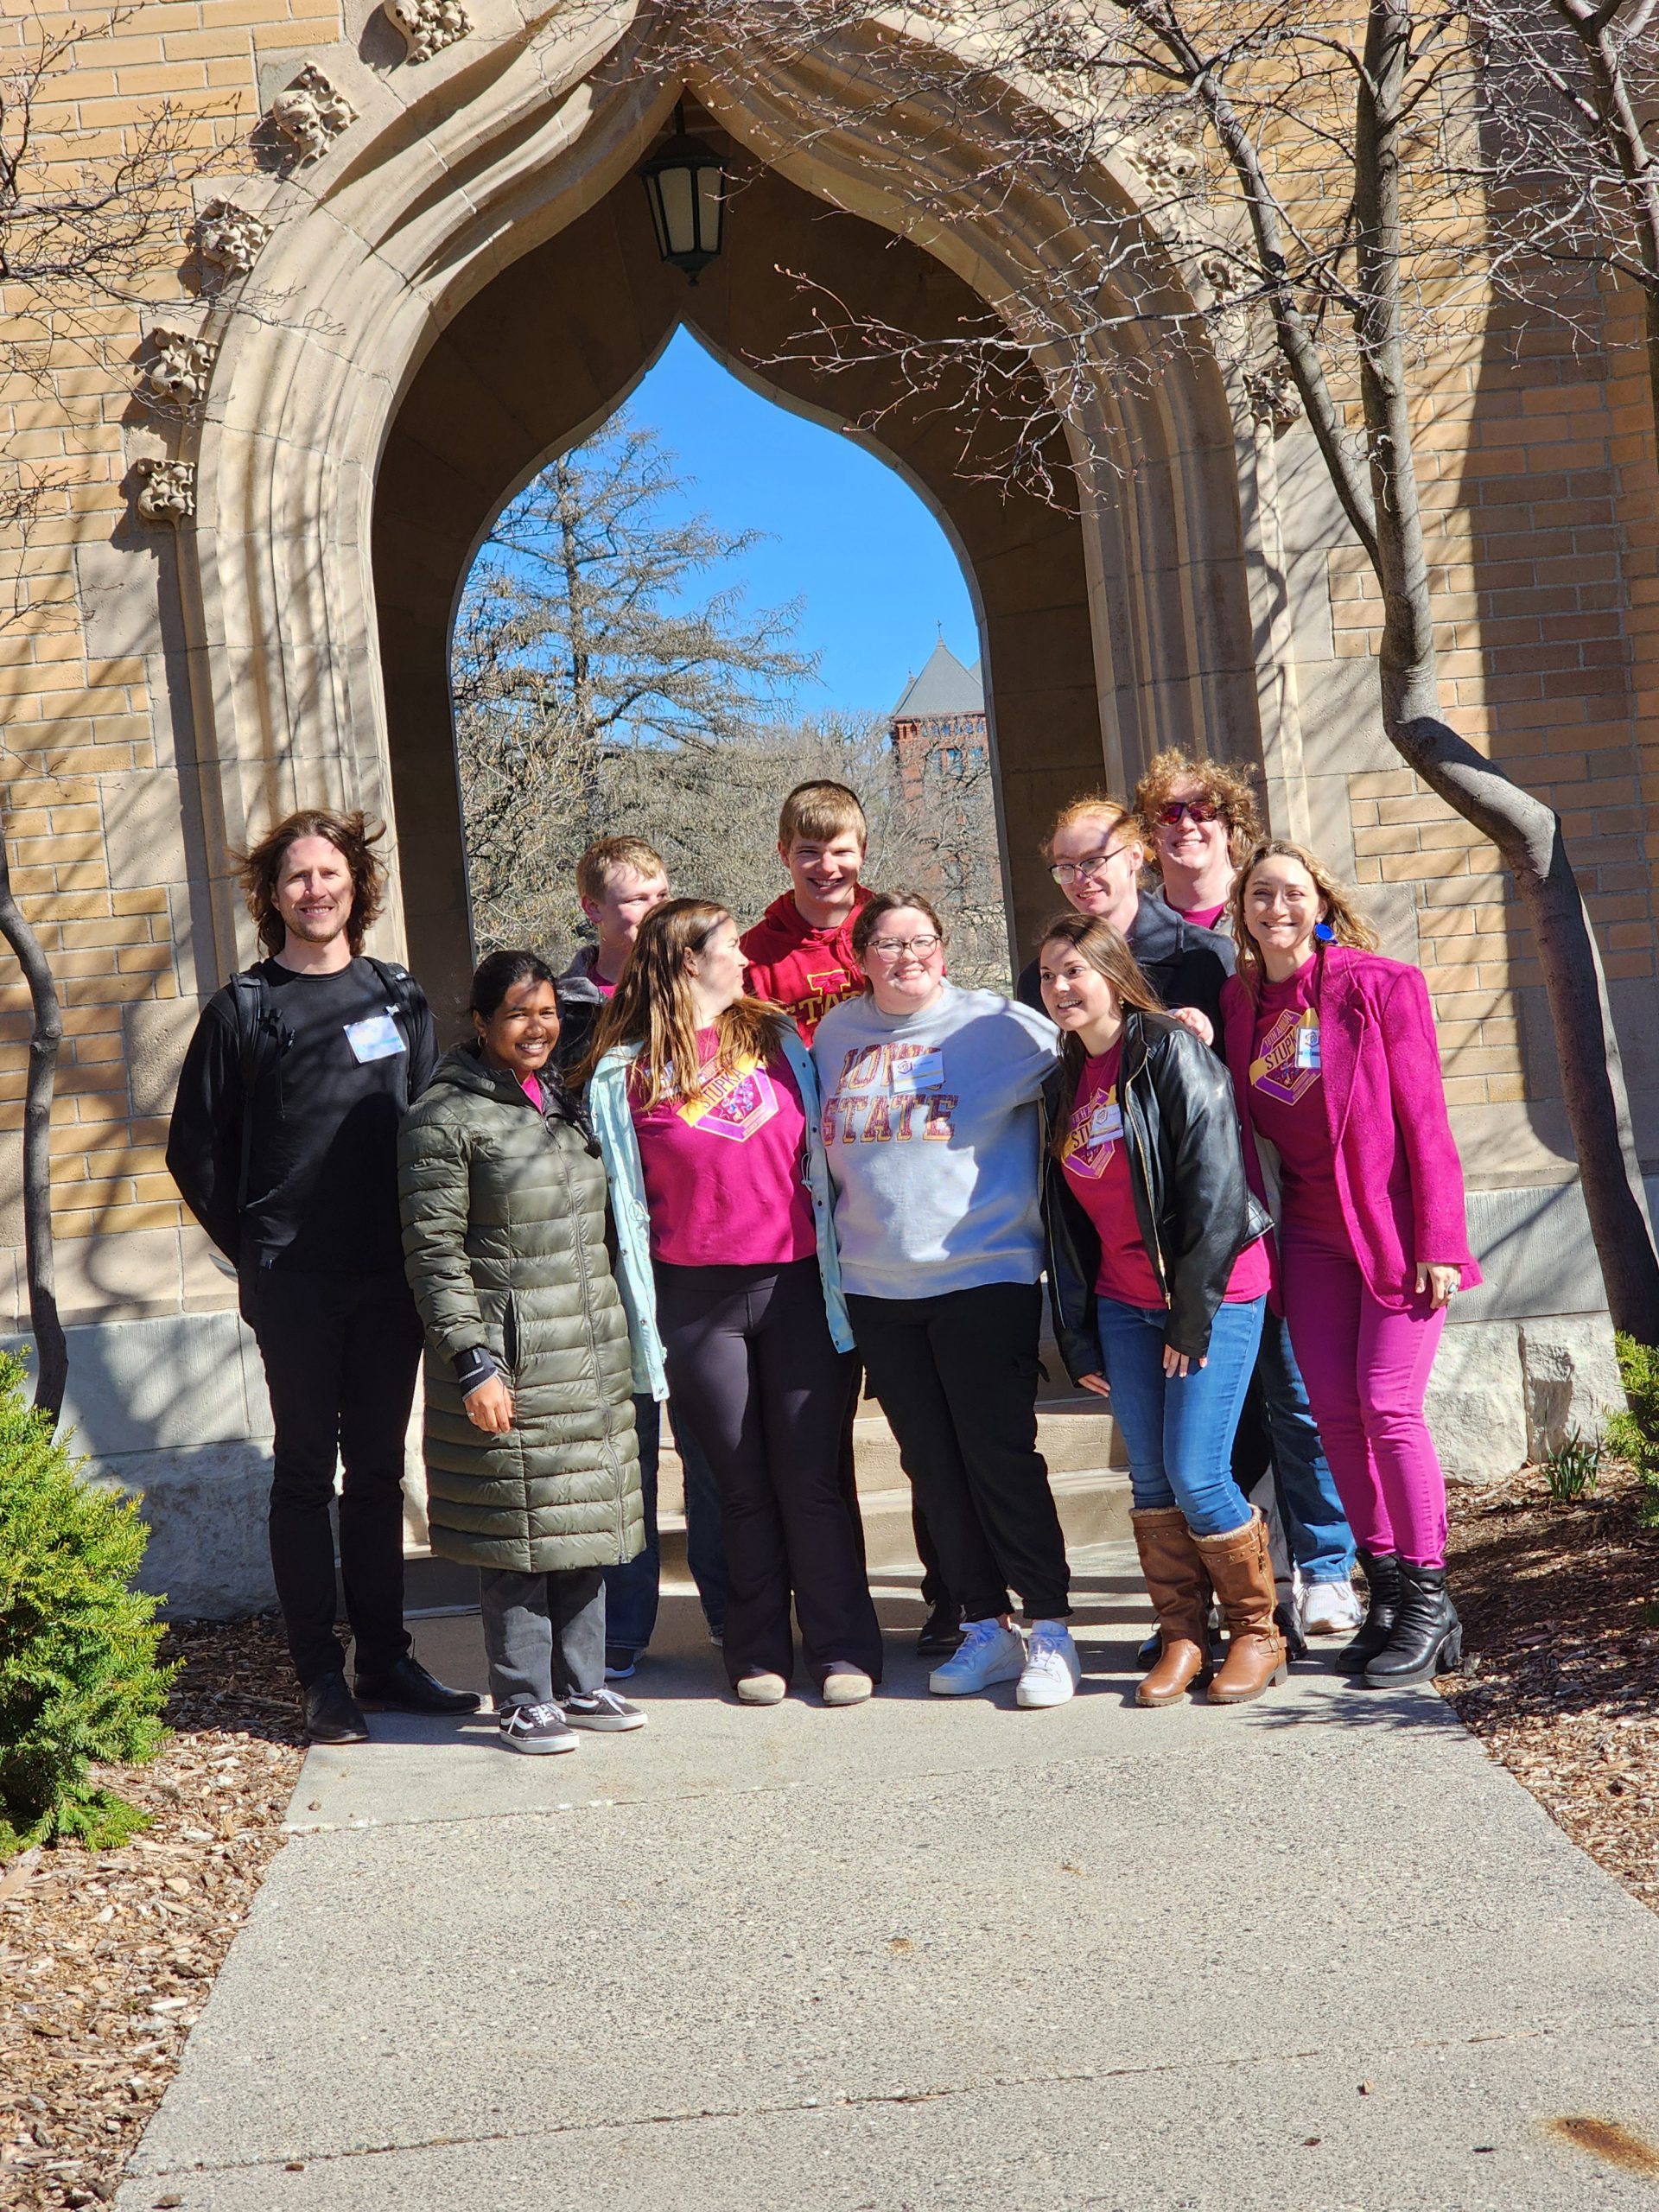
[800, 952]
[801, 957]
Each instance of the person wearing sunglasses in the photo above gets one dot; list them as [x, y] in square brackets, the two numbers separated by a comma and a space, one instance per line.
[932, 1127]
[1096, 852]
[1201, 823]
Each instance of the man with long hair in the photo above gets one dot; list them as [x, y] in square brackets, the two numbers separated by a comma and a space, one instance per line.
[283, 1145]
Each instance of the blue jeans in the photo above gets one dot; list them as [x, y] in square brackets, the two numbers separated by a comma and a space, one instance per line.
[632, 1591]
[1180, 1430]
[1316, 1527]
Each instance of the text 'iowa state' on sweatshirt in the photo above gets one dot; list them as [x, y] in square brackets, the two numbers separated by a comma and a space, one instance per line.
[933, 1132]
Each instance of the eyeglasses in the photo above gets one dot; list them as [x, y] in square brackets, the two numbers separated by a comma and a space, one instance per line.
[1069, 871]
[1201, 810]
[891, 947]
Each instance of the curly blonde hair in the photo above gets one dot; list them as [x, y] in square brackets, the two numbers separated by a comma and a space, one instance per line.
[1347, 925]
[1224, 782]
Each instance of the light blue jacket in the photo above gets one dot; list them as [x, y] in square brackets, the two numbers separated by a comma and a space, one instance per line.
[612, 1121]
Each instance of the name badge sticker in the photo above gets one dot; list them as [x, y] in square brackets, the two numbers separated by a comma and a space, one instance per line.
[1307, 1047]
[918, 1070]
[1106, 1122]
[377, 1038]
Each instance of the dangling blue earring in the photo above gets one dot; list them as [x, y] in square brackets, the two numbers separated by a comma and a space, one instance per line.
[1325, 933]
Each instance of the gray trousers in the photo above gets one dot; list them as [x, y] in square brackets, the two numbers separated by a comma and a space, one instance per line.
[544, 1634]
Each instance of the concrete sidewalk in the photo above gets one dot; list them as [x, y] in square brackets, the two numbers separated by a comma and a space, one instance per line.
[1317, 1954]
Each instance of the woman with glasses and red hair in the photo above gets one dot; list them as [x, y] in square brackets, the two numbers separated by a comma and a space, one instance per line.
[932, 1131]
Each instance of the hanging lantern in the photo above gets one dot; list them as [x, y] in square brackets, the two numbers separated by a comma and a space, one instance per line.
[685, 184]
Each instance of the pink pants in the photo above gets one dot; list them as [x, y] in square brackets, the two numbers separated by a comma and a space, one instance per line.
[1366, 1368]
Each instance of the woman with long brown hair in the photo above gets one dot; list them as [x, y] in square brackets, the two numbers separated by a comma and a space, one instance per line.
[706, 1108]
[1337, 1070]
[1158, 1279]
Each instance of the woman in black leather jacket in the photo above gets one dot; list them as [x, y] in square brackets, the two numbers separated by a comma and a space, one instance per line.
[1159, 1275]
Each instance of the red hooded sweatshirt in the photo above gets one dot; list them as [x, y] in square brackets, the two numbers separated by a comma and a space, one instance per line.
[805, 971]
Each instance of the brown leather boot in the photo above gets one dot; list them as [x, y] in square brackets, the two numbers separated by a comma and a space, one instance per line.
[1241, 1567]
[1179, 1590]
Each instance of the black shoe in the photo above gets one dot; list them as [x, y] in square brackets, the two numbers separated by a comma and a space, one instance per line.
[1148, 1654]
[1284, 1617]
[940, 1632]
[1382, 1580]
[1428, 1638]
[332, 1714]
[406, 1687]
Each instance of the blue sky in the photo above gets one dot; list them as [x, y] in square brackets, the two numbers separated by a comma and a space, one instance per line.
[846, 534]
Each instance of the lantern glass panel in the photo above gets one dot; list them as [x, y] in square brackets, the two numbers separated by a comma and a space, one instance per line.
[711, 189]
[679, 213]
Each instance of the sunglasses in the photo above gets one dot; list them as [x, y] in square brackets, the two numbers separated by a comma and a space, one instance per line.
[1201, 809]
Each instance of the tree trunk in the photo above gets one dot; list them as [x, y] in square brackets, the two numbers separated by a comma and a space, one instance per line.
[51, 1352]
[582, 686]
[1526, 832]
[1625, 140]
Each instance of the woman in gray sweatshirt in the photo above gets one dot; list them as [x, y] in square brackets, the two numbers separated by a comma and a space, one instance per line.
[932, 1128]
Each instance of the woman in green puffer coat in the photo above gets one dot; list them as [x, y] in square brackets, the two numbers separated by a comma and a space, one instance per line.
[532, 1469]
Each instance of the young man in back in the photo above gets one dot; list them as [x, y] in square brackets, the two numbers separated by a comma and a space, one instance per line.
[618, 880]
[801, 957]
[800, 952]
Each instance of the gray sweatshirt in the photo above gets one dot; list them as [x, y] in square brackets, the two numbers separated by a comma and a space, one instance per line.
[931, 1125]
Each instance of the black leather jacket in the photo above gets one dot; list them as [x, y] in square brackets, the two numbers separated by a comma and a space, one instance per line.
[1186, 1170]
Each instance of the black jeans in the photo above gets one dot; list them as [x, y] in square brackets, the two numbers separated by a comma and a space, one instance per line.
[956, 1377]
[341, 1353]
[750, 1360]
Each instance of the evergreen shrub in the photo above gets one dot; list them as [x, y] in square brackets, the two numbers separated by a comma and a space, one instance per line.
[1634, 1433]
[79, 1677]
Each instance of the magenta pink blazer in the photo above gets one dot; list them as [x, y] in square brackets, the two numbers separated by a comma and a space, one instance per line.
[1397, 1170]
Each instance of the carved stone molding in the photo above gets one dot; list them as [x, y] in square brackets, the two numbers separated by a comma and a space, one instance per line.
[229, 237]
[177, 377]
[167, 490]
[430, 25]
[311, 114]
[1272, 399]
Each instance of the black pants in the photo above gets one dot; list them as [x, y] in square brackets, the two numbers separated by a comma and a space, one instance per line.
[956, 1377]
[750, 1359]
[341, 1353]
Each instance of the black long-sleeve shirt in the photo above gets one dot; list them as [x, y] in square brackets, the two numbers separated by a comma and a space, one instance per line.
[323, 1166]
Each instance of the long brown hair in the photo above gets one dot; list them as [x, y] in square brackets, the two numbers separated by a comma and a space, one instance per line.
[353, 837]
[1348, 925]
[1107, 951]
[653, 1007]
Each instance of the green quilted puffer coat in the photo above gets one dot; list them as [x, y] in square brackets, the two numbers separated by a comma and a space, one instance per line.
[504, 1245]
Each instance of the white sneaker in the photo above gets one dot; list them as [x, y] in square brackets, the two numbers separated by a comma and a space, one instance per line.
[1052, 1671]
[986, 1653]
[1331, 1609]
[758, 1687]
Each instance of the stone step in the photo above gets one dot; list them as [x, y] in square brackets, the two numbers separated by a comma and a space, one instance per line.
[1076, 1434]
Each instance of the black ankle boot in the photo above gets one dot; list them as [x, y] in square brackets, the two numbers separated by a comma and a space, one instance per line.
[1428, 1638]
[1286, 1622]
[1382, 1580]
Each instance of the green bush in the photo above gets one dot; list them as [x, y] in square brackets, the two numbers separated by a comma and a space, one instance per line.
[78, 1680]
[1634, 1433]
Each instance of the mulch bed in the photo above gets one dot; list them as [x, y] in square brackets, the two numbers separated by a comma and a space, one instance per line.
[106, 1957]
[1561, 1680]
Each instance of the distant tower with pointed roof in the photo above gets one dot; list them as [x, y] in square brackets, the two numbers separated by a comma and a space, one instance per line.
[942, 771]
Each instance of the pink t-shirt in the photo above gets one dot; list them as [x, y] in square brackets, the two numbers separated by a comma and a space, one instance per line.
[723, 1174]
[530, 1084]
[1288, 1106]
[1204, 918]
[1096, 1160]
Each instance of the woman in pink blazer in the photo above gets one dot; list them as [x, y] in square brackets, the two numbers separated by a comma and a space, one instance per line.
[1337, 1072]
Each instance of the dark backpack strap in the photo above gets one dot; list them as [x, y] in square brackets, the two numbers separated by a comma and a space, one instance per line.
[399, 987]
[251, 1001]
